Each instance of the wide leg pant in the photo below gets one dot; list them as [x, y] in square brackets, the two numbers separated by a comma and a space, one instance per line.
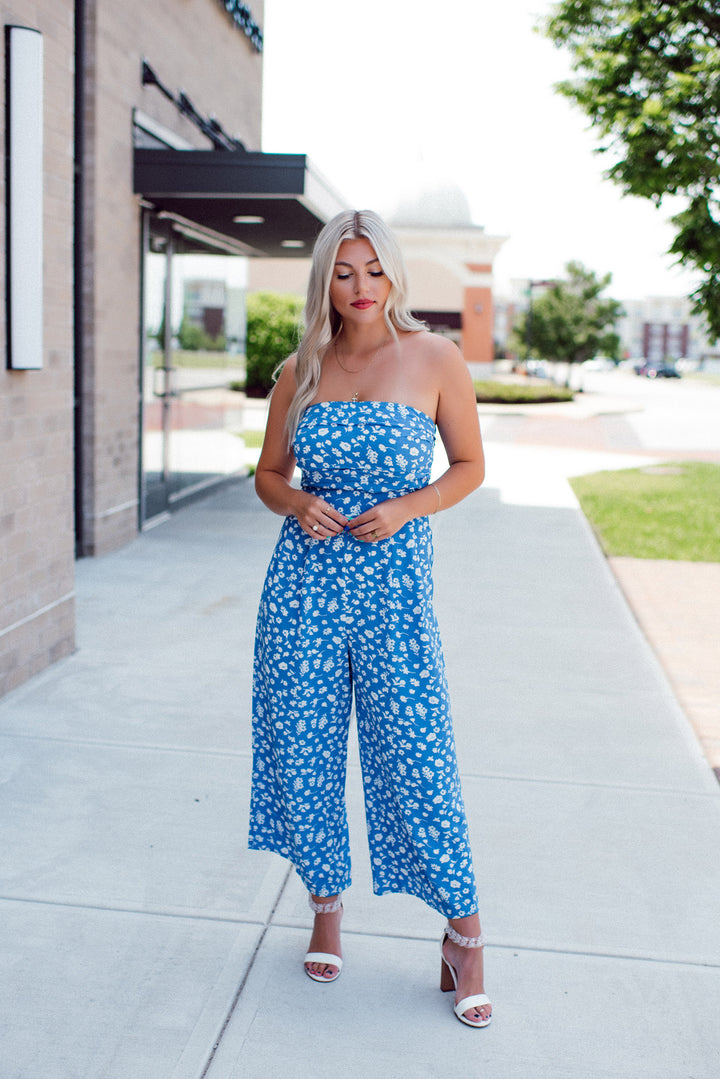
[339, 617]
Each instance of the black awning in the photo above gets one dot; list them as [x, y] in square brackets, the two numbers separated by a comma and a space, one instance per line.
[285, 199]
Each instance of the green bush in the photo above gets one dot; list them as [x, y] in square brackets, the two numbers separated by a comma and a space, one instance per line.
[513, 393]
[273, 332]
[192, 338]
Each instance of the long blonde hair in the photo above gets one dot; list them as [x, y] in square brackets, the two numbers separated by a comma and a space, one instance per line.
[322, 321]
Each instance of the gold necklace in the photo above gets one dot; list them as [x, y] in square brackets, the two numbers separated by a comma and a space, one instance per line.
[356, 393]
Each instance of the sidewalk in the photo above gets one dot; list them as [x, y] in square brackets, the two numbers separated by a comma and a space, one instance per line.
[142, 940]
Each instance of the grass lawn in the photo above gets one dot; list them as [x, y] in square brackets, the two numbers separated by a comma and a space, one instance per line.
[253, 439]
[711, 379]
[663, 511]
[222, 360]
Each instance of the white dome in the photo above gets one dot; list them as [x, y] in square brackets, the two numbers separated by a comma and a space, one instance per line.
[442, 205]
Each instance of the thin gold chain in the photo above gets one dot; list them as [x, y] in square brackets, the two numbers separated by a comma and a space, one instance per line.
[360, 369]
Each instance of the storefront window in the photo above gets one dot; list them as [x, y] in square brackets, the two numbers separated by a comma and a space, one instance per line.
[191, 372]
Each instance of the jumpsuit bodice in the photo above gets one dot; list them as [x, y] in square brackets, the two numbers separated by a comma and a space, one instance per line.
[357, 453]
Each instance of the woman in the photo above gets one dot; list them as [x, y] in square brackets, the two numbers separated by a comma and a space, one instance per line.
[347, 604]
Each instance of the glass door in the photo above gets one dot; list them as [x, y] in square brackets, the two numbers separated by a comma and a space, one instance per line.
[193, 365]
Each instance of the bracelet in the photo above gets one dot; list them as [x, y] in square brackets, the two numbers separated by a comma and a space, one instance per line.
[437, 492]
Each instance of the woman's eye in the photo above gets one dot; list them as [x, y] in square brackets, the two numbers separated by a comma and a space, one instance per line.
[343, 276]
[377, 273]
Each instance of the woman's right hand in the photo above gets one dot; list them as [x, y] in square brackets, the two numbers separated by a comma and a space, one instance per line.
[316, 517]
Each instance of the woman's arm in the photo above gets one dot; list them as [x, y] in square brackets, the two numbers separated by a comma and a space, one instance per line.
[459, 427]
[275, 468]
[457, 422]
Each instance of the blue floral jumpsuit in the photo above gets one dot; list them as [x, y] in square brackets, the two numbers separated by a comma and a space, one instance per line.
[341, 616]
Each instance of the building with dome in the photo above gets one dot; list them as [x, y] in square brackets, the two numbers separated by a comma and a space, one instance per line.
[449, 261]
[450, 266]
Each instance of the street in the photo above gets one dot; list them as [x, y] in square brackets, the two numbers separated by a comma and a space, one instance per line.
[672, 414]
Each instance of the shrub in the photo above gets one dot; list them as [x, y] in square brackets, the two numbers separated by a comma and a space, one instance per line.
[192, 338]
[273, 332]
[512, 393]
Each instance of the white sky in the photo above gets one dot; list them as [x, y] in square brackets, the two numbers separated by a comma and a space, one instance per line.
[379, 92]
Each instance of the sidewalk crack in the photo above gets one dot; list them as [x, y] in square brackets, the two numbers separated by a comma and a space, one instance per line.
[238, 993]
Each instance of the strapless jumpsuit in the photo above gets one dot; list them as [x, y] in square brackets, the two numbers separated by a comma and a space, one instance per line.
[342, 618]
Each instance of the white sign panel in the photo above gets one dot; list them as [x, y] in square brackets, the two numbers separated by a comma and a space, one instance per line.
[24, 215]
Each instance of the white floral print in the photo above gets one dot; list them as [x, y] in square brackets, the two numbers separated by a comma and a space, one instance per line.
[338, 618]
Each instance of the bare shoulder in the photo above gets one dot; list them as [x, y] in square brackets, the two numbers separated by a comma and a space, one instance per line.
[440, 357]
[286, 384]
[433, 348]
[288, 369]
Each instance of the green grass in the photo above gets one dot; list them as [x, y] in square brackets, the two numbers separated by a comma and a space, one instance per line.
[515, 393]
[222, 360]
[253, 439]
[667, 511]
[711, 379]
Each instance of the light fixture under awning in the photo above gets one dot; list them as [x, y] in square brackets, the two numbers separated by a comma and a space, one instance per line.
[286, 199]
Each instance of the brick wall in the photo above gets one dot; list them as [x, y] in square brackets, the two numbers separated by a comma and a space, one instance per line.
[36, 407]
[192, 45]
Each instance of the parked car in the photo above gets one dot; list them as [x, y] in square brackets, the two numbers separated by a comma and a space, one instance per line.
[657, 369]
[599, 363]
[538, 369]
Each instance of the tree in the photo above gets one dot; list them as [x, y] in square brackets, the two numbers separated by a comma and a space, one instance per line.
[273, 324]
[193, 338]
[570, 322]
[648, 77]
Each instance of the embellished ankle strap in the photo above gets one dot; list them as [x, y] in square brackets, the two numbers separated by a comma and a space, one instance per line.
[325, 908]
[465, 942]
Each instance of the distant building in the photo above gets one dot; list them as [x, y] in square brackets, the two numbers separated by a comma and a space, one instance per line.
[656, 328]
[450, 266]
[449, 262]
[204, 305]
[663, 328]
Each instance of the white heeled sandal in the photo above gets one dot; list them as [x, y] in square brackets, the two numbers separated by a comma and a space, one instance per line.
[448, 977]
[324, 957]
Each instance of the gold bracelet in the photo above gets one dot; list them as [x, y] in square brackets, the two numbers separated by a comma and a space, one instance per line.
[437, 492]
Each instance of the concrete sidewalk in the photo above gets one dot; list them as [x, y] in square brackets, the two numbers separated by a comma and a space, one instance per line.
[142, 940]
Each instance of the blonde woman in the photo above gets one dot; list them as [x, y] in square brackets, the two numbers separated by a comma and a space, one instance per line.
[347, 612]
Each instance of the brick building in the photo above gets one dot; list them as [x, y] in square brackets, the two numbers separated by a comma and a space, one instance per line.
[145, 150]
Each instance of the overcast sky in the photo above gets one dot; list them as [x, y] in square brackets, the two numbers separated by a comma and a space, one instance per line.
[382, 92]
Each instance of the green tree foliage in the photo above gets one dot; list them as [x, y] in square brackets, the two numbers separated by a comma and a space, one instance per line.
[648, 77]
[192, 338]
[570, 321]
[273, 331]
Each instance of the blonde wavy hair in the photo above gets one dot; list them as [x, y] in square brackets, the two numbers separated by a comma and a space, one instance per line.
[322, 322]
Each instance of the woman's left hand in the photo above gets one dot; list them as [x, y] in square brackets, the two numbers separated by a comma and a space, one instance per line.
[379, 522]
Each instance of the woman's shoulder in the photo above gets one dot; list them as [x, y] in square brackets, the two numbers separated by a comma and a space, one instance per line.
[285, 386]
[289, 365]
[433, 348]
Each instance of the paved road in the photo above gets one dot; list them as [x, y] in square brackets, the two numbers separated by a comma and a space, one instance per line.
[669, 414]
[619, 413]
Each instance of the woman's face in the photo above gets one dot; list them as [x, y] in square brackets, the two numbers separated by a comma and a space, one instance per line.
[359, 288]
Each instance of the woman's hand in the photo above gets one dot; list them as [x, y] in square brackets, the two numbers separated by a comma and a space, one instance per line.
[380, 521]
[316, 517]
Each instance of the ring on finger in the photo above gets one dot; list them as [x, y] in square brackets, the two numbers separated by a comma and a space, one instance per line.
[374, 534]
[316, 528]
